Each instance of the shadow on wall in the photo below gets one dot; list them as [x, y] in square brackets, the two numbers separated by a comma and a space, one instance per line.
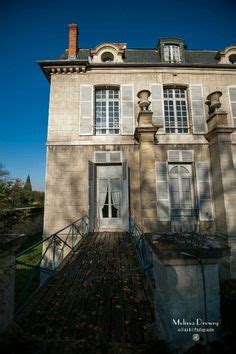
[66, 191]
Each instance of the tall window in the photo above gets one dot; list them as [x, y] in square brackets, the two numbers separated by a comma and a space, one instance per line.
[181, 196]
[107, 103]
[172, 53]
[175, 108]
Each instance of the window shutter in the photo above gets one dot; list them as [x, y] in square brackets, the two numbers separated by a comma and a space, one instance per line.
[91, 191]
[125, 195]
[204, 190]
[115, 156]
[198, 110]
[100, 157]
[107, 157]
[157, 105]
[86, 110]
[127, 109]
[232, 96]
[162, 190]
[180, 155]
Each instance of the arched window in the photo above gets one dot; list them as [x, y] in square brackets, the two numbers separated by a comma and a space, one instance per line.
[181, 194]
[232, 58]
[107, 57]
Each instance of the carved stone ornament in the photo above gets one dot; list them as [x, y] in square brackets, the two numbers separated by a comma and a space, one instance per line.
[144, 102]
[213, 101]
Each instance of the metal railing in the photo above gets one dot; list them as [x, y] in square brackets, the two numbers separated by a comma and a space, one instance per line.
[39, 262]
[143, 250]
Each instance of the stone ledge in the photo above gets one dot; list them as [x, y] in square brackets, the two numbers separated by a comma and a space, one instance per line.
[168, 250]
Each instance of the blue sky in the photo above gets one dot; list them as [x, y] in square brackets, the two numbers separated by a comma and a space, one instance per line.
[38, 30]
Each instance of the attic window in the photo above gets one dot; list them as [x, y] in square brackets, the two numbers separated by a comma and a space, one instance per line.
[232, 58]
[107, 57]
[172, 53]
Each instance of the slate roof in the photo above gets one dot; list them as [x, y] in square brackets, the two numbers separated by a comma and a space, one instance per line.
[152, 56]
[201, 56]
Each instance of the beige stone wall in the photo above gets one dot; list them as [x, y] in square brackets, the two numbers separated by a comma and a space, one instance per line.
[66, 186]
[66, 196]
[179, 295]
[65, 92]
[68, 153]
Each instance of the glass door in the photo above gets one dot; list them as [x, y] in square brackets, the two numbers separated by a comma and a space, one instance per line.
[109, 197]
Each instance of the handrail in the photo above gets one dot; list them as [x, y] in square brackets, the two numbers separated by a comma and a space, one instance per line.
[47, 255]
[143, 250]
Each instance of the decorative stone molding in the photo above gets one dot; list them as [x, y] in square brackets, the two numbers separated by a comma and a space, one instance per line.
[66, 70]
[213, 102]
[108, 53]
[227, 56]
[144, 102]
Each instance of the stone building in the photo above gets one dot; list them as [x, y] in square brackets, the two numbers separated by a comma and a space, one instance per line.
[109, 155]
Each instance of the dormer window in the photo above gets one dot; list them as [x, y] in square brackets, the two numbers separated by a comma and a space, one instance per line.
[232, 59]
[172, 53]
[106, 53]
[171, 50]
[107, 57]
[227, 56]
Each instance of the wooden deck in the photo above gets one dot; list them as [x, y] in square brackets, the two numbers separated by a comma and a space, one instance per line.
[98, 303]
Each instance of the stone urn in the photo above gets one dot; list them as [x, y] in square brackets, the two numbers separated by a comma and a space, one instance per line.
[144, 102]
[213, 101]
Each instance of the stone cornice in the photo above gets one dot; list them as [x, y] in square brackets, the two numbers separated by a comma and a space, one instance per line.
[219, 129]
[148, 132]
[81, 66]
[65, 67]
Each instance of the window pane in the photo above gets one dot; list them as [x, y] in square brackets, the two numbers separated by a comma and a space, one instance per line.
[175, 110]
[172, 53]
[107, 111]
[180, 191]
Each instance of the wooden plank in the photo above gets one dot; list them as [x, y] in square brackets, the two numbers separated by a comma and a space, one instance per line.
[103, 321]
[114, 308]
[117, 304]
[46, 311]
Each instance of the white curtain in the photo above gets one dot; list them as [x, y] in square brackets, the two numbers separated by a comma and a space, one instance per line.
[103, 188]
[115, 193]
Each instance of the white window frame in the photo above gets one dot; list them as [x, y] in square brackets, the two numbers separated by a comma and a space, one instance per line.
[174, 99]
[173, 57]
[230, 105]
[107, 100]
[192, 210]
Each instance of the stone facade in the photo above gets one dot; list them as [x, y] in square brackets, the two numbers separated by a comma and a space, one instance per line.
[180, 311]
[207, 154]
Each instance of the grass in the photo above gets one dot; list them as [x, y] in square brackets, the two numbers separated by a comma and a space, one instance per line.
[25, 273]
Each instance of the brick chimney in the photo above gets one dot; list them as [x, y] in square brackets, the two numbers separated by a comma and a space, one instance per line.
[73, 40]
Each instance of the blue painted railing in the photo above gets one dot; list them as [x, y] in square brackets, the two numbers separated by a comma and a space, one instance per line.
[39, 262]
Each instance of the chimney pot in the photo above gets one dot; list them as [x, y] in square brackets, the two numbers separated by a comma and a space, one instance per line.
[73, 40]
